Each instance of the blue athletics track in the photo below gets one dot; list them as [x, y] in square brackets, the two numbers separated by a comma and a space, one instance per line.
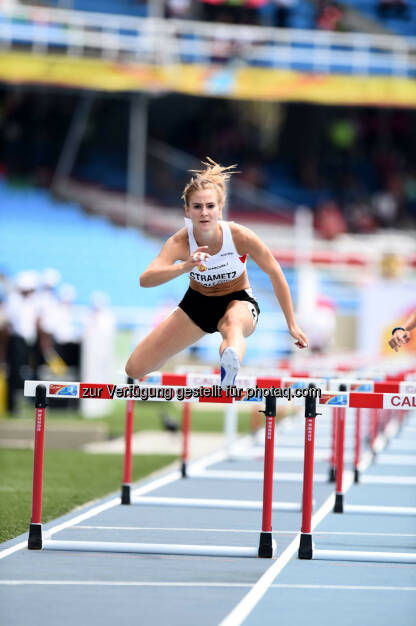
[77, 587]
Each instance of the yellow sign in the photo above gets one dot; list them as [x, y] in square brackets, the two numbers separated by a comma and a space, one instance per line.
[212, 80]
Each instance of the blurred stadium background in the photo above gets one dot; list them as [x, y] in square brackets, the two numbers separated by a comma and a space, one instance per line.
[105, 105]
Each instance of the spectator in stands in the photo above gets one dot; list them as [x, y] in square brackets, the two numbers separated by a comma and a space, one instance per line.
[21, 314]
[177, 9]
[393, 9]
[238, 12]
[48, 321]
[284, 9]
[329, 221]
[409, 189]
[97, 352]
[385, 208]
[401, 334]
[68, 331]
[360, 218]
[319, 323]
[329, 16]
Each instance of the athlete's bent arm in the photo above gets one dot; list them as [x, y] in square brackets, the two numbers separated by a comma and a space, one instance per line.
[262, 256]
[402, 335]
[164, 267]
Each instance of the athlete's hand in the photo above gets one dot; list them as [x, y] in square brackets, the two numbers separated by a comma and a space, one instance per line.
[400, 338]
[301, 341]
[197, 258]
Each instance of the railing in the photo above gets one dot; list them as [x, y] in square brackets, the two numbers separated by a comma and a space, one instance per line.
[159, 41]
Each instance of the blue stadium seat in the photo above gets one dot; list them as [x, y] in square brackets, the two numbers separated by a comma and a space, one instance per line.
[37, 232]
[405, 27]
[119, 7]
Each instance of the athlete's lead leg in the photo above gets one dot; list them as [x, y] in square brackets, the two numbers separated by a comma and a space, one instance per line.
[173, 335]
[237, 323]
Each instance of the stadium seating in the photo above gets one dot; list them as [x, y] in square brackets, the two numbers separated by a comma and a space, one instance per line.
[402, 26]
[120, 7]
[37, 232]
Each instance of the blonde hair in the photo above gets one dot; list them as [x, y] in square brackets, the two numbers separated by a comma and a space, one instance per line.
[214, 175]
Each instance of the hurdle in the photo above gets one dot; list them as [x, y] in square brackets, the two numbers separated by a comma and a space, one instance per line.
[400, 387]
[340, 506]
[307, 548]
[267, 379]
[43, 390]
[128, 459]
[128, 498]
[159, 379]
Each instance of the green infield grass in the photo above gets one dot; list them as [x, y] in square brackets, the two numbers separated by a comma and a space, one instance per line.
[71, 478]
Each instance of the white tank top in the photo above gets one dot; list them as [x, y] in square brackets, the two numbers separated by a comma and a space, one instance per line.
[220, 268]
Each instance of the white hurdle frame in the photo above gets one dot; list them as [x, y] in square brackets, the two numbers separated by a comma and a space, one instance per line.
[267, 545]
[307, 548]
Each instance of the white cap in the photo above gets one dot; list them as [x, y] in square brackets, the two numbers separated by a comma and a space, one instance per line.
[27, 280]
[67, 293]
[50, 277]
[100, 299]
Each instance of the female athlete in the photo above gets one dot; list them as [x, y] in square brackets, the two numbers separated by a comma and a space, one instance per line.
[219, 297]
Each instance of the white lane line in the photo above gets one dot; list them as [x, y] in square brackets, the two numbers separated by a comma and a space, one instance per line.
[383, 479]
[15, 548]
[247, 604]
[75, 520]
[252, 598]
[134, 583]
[207, 530]
[396, 459]
[118, 583]
[359, 534]
[154, 484]
[246, 530]
[343, 587]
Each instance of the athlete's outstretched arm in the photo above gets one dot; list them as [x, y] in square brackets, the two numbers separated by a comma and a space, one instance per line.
[410, 323]
[402, 335]
[164, 267]
[262, 256]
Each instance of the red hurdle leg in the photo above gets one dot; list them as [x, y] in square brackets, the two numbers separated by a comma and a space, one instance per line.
[390, 416]
[333, 462]
[266, 539]
[186, 424]
[339, 496]
[374, 428]
[357, 447]
[305, 546]
[127, 471]
[35, 530]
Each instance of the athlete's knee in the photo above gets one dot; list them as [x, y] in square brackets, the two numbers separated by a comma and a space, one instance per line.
[231, 319]
[136, 370]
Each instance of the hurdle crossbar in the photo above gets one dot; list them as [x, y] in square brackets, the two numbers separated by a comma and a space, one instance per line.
[175, 393]
[367, 400]
[151, 548]
[213, 503]
[266, 547]
[289, 477]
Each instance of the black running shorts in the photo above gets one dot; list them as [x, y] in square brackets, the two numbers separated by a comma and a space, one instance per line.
[206, 311]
